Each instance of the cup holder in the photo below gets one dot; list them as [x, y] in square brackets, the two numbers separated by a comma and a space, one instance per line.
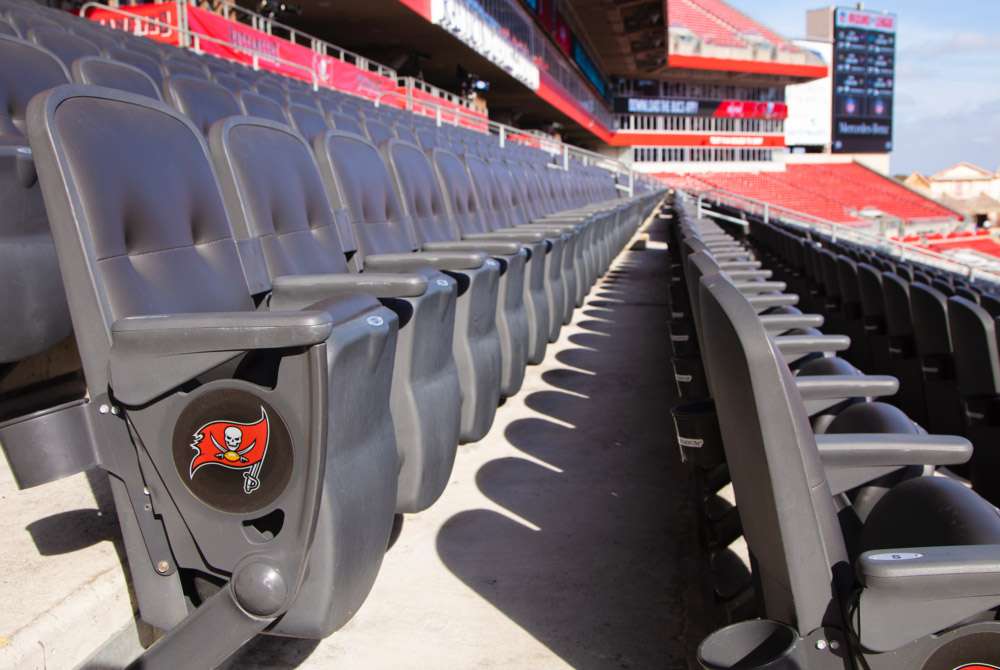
[699, 438]
[690, 377]
[683, 341]
[757, 644]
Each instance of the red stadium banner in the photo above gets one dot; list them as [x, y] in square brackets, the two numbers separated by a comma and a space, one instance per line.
[749, 109]
[280, 55]
[157, 22]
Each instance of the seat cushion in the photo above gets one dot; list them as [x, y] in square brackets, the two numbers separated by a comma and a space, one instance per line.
[930, 512]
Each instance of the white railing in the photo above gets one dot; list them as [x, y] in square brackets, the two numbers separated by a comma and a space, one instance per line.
[234, 12]
[140, 26]
[860, 234]
[444, 112]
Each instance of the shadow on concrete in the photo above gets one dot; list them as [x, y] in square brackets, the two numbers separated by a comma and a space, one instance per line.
[606, 568]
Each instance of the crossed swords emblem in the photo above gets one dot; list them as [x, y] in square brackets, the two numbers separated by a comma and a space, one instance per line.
[232, 452]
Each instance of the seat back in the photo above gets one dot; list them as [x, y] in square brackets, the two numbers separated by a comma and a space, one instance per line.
[488, 194]
[974, 340]
[347, 123]
[307, 120]
[459, 192]
[202, 101]
[378, 132]
[112, 74]
[420, 193]
[66, 46]
[143, 61]
[870, 284]
[135, 236]
[253, 104]
[35, 313]
[786, 508]
[271, 90]
[274, 194]
[929, 308]
[896, 292]
[182, 67]
[356, 178]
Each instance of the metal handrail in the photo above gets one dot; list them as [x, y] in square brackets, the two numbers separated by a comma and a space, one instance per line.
[854, 234]
[197, 38]
[266, 25]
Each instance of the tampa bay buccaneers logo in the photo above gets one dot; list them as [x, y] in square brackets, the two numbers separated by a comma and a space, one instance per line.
[977, 666]
[232, 445]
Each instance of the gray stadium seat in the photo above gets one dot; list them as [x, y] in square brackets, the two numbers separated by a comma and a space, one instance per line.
[290, 246]
[434, 230]
[357, 179]
[292, 540]
[112, 74]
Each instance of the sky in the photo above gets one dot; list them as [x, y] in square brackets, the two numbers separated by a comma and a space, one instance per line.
[947, 106]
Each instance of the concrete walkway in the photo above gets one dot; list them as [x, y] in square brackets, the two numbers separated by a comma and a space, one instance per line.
[566, 537]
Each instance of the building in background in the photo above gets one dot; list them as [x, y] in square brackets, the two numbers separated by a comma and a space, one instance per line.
[972, 190]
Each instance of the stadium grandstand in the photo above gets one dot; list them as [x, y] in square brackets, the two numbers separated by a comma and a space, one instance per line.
[345, 335]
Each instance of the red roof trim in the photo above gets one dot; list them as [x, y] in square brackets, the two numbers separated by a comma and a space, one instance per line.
[753, 67]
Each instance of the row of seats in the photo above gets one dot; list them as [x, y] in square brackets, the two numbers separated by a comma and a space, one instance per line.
[933, 330]
[864, 547]
[270, 319]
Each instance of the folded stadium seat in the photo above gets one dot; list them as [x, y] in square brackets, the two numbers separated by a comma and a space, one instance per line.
[309, 121]
[7, 29]
[376, 131]
[144, 62]
[36, 317]
[356, 179]
[405, 133]
[835, 395]
[66, 46]
[873, 316]
[977, 370]
[496, 207]
[329, 103]
[895, 599]
[302, 96]
[288, 240]
[24, 22]
[230, 82]
[253, 104]
[263, 491]
[267, 87]
[933, 344]
[434, 230]
[112, 74]
[852, 323]
[904, 361]
[180, 67]
[346, 122]
[202, 101]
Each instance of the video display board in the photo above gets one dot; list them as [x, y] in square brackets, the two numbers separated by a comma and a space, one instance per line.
[864, 66]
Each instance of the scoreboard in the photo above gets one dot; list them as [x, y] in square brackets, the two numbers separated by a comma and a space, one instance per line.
[864, 64]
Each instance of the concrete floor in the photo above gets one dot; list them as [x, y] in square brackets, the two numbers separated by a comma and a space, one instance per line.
[566, 537]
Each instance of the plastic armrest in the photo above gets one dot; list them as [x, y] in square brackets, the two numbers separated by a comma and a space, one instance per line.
[854, 459]
[440, 260]
[823, 387]
[492, 247]
[300, 291]
[915, 591]
[748, 275]
[150, 355]
[729, 266]
[518, 235]
[760, 286]
[779, 323]
[941, 572]
[811, 344]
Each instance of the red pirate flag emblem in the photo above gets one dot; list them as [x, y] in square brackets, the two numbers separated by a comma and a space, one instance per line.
[232, 445]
